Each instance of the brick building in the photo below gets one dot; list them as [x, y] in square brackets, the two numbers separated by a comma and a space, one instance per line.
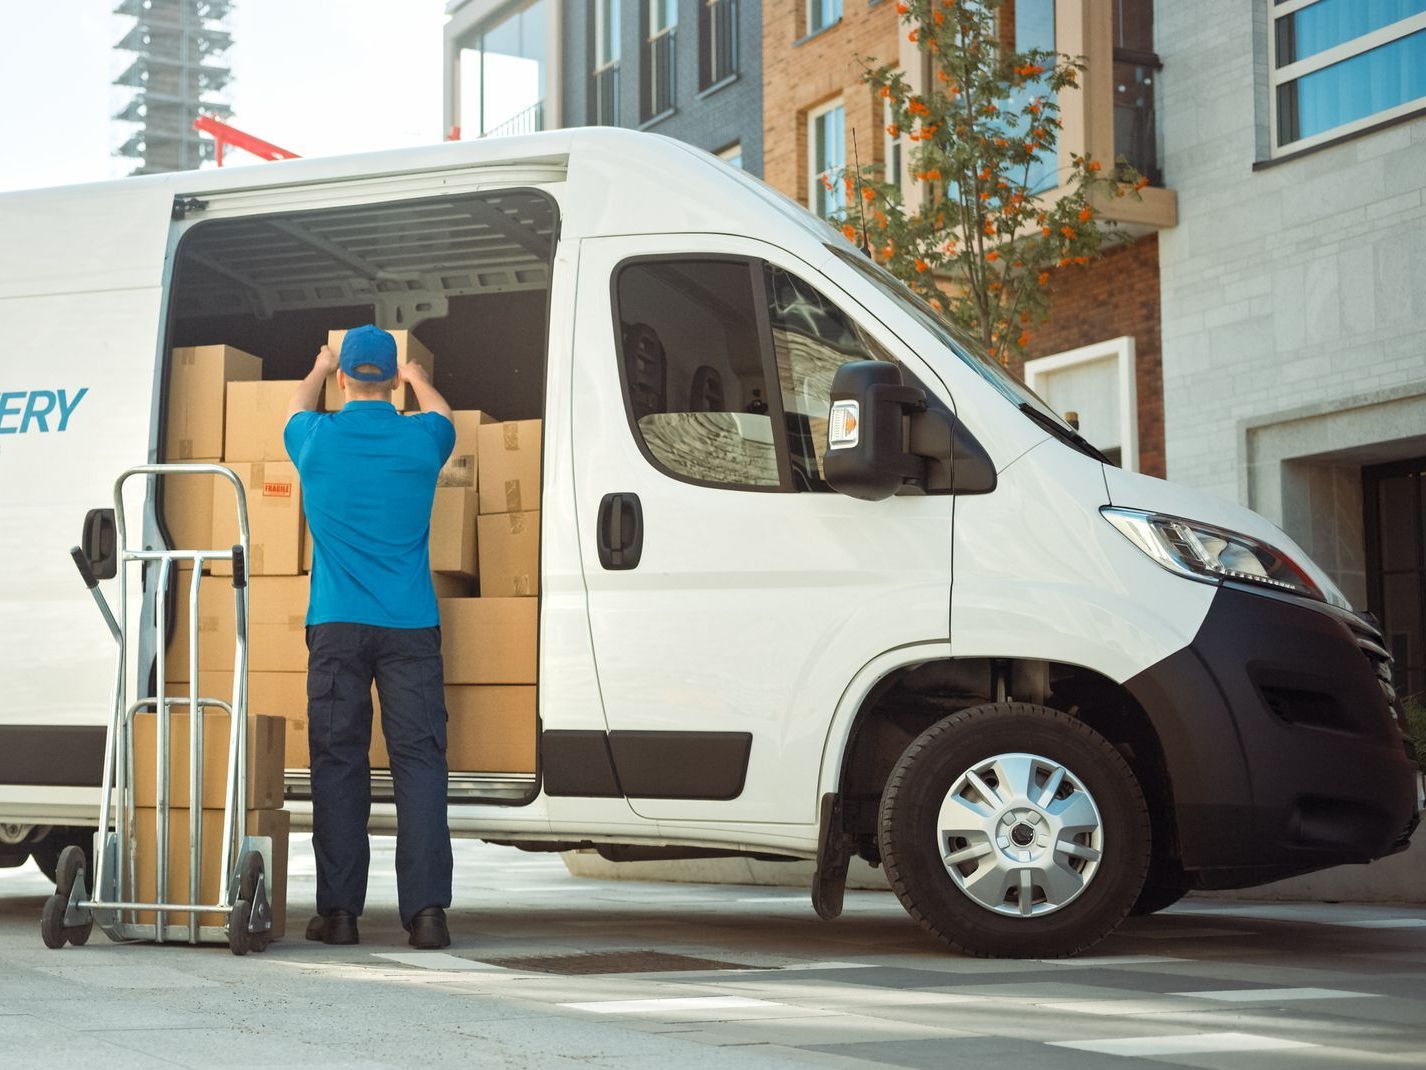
[1100, 354]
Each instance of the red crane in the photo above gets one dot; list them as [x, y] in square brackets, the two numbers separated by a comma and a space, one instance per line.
[226, 135]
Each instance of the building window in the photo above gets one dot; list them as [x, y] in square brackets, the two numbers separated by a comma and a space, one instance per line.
[733, 154]
[1026, 25]
[656, 72]
[717, 41]
[604, 88]
[827, 159]
[1093, 388]
[893, 149]
[1341, 65]
[1136, 74]
[822, 13]
[503, 69]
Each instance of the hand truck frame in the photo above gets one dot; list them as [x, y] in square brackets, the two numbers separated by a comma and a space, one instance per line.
[70, 914]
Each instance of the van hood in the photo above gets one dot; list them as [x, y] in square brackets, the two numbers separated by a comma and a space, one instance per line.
[1133, 490]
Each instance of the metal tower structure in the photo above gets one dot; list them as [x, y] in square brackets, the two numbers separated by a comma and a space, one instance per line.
[177, 73]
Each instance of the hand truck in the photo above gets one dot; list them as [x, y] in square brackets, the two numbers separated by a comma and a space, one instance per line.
[69, 915]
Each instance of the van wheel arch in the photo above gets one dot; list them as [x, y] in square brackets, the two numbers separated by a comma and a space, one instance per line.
[907, 701]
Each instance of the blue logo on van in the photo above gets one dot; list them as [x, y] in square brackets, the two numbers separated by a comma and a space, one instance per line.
[24, 411]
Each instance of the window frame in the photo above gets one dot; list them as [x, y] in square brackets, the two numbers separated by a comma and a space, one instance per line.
[1356, 46]
[606, 34]
[708, 77]
[1121, 351]
[768, 358]
[814, 178]
[812, 6]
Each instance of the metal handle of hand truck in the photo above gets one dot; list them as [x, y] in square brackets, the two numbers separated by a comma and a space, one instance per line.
[86, 572]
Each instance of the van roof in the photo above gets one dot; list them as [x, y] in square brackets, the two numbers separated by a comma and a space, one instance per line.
[638, 182]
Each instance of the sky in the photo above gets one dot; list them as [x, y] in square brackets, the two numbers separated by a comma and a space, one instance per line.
[318, 77]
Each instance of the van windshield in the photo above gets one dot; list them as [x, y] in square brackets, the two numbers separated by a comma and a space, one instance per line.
[966, 348]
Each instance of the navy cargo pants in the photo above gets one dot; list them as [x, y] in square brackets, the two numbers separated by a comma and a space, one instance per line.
[342, 661]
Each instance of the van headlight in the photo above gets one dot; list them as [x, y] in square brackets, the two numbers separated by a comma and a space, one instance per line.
[1206, 553]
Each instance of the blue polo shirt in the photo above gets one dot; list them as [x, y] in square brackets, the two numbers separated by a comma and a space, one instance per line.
[368, 482]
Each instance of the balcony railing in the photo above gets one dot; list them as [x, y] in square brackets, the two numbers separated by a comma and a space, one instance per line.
[604, 96]
[656, 76]
[529, 121]
[1135, 137]
[718, 55]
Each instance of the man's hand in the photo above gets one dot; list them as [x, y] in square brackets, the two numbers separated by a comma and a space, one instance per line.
[326, 363]
[427, 396]
[309, 390]
[413, 373]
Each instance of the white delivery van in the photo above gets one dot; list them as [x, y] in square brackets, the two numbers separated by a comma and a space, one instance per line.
[816, 581]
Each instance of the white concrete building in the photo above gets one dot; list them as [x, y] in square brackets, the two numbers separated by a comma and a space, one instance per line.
[1294, 286]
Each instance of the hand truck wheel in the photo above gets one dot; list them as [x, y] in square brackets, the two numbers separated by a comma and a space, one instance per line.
[72, 868]
[52, 929]
[239, 939]
[248, 877]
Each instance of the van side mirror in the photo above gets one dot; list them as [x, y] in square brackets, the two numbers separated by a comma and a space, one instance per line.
[868, 454]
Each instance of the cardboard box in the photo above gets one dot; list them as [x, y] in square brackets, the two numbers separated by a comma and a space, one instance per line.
[453, 531]
[198, 379]
[509, 554]
[274, 823]
[271, 694]
[215, 598]
[452, 586]
[490, 729]
[462, 468]
[265, 758]
[257, 415]
[277, 622]
[275, 524]
[188, 507]
[489, 640]
[508, 457]
[408, 349]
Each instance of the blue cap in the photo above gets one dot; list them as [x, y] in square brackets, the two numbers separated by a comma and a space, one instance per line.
[369, 345]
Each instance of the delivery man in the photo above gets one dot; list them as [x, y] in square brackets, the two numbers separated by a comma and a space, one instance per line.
[368, 481]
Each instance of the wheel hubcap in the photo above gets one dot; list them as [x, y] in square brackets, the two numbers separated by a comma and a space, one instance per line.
[1020, 835]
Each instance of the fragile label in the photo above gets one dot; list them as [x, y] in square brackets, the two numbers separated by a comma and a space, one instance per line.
[277, 490]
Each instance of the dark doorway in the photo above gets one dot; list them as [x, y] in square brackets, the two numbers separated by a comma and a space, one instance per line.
[1395, 499]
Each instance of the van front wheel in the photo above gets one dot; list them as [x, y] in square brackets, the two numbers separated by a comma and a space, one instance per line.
[1017, 831]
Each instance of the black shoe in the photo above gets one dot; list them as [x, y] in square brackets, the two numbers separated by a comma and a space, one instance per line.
[428, 929]
[338, 927]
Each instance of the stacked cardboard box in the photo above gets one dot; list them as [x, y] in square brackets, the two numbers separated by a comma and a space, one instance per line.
[263, 802]
[491, 484]
[509, 485]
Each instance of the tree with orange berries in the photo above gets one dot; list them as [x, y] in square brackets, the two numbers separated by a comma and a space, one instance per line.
[996, 219]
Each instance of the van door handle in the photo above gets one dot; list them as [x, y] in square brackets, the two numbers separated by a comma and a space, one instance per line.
[620, 533]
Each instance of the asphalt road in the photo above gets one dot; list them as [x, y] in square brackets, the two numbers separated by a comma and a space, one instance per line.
[1207, 984]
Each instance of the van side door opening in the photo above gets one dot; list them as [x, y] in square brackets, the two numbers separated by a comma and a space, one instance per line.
[468, 275]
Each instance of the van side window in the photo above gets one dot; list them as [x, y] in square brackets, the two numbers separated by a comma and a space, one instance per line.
[692, 358]
[812, 338]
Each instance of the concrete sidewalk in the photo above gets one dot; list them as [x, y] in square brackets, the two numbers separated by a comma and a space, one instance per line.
[717, 976]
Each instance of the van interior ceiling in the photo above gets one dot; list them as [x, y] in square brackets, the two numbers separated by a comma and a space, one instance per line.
[468, 275]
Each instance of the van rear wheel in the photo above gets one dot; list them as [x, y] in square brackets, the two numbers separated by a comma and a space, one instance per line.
[1014, 830]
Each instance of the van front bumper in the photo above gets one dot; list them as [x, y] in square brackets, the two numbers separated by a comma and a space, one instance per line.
[1282, 741]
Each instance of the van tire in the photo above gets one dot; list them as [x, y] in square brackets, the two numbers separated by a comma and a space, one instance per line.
[938, 759]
